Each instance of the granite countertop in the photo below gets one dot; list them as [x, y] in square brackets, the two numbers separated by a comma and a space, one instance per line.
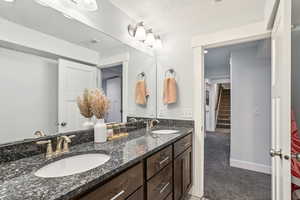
[18, 181]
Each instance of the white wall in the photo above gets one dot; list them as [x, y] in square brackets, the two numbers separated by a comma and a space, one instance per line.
[296, 74]
[29, 88]
[251, 110]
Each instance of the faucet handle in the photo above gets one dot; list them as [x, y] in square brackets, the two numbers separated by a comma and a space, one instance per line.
[66, 143]
[49, 152]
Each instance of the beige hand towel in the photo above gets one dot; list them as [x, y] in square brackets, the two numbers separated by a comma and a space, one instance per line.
[170, 90]
[141, 92]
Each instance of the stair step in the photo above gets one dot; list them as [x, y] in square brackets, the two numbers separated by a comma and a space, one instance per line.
[225, 108]
[224, 126]
[224, 117]
[223, 121]
[224, 112]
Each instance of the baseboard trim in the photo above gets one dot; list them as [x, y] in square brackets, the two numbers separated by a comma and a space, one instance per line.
[250, 166]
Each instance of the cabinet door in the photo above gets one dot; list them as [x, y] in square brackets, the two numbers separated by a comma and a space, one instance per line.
[187, 170]
[182, 174]
[178, 177]
[138, 195]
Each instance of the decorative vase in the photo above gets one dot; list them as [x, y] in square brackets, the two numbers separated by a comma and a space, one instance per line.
[100, 132]
[88, 123]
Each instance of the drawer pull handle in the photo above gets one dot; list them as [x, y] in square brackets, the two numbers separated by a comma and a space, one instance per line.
[164, 160]
[164, 188]
[117, 195]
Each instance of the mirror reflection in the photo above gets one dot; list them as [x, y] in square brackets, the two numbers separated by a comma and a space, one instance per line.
[51, 63]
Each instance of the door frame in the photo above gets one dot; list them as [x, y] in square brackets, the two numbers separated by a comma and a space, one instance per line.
[121, 59]
[247, 33]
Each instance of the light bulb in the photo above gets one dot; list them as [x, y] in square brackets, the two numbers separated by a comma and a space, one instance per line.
[10, 1]
[150, 39]
[140, 33]
[158, 42]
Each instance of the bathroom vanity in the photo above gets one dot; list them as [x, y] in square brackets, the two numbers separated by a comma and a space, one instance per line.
[142, 166]
[163, 174]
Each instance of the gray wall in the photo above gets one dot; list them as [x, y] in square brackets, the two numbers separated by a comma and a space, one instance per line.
[296, 74]
[251, 110]
[28, 86]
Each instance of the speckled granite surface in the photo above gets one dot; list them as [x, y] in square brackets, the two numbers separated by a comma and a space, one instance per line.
[18, 181]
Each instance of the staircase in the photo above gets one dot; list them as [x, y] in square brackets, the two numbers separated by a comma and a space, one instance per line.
[223, 120]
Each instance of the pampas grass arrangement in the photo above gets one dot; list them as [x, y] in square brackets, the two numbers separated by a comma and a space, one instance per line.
[99, 104]
[84, 103]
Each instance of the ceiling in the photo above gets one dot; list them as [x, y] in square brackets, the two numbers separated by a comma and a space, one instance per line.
[32, 15]
[193, 16]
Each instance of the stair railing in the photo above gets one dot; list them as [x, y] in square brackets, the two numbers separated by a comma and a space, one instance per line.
[220, 91]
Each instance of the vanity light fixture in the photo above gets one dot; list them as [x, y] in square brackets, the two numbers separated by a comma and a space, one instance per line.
[147, 37]
[10, 1]
[140, 32]
[150, 39]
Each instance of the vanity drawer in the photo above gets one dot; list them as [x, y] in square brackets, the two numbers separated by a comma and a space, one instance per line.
[158, 161]
[181, 145]
[120, 187]
[138, 195]
[161, 185]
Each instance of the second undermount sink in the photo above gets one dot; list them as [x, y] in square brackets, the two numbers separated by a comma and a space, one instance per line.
[72, 165]
[165, 131]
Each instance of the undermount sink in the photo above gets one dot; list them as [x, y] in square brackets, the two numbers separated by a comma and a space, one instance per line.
[72, 165]
[165, 131]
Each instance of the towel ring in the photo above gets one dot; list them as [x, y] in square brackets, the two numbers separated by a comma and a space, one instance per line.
[141, 76]
[170, 72]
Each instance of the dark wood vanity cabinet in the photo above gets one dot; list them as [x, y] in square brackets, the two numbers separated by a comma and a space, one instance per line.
[182, 174]
[120, 187]
[165, 175]
[138, 195]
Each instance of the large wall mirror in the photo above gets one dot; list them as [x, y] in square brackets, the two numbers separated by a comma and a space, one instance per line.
[47, 60]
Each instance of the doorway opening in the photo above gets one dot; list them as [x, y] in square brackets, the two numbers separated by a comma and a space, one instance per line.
[237, 141]
[112, 84]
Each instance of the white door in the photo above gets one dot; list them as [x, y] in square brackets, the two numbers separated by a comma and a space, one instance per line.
[281, 103]
[114, 94]
[73, 79]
